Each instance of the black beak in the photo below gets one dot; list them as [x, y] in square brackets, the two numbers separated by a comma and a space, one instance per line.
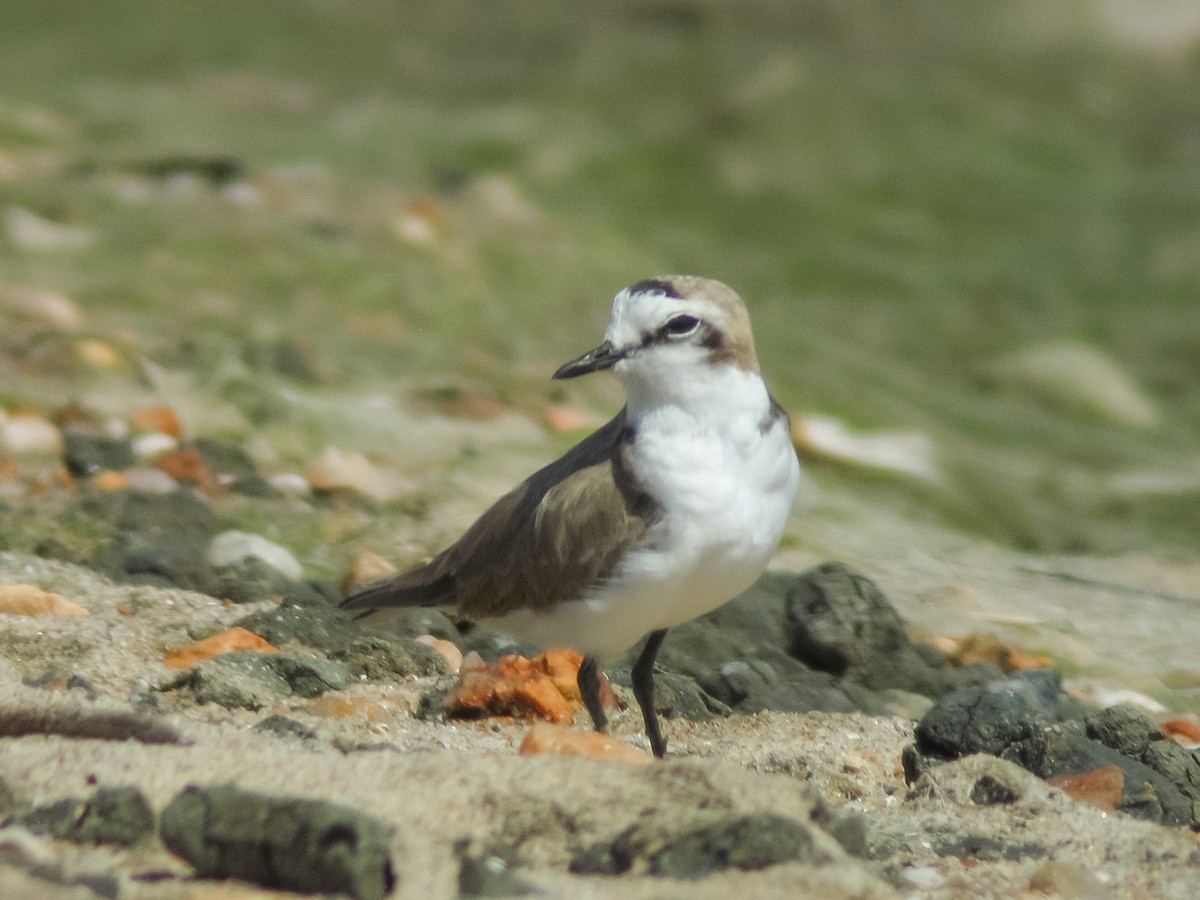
[603, 357]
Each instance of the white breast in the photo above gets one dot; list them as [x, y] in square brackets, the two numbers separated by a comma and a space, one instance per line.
[724, 475]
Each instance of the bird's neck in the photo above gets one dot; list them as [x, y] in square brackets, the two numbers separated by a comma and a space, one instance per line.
[710, 395]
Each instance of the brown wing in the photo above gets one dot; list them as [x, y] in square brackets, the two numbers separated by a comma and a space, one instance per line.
[546, 541]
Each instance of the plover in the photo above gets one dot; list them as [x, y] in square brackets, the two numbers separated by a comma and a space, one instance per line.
[665, 513]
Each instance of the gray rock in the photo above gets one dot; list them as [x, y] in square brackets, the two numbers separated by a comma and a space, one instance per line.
[381, 659]
[747, 842]
[285, 727]
[84, 455]
[1065, 749]
[233, 547]
[282, 842]
[1122, 728]
[308, 674]
[241, 680]
[990, 718]
[117, 815]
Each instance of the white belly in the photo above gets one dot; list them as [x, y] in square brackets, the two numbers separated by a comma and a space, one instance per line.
[724, 509]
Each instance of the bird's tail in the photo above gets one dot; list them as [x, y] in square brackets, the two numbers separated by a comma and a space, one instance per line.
[419, 587]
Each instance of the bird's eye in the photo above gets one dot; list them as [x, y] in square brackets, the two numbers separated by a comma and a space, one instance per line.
[681, 325]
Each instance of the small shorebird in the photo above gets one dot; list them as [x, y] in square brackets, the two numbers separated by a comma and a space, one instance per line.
[665, 513]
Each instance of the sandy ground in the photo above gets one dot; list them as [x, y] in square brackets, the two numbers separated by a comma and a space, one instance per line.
[454, 789]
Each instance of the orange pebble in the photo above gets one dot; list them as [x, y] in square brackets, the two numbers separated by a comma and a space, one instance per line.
[1101, 787]
[236, 638]
[560, 741]
[158, 418]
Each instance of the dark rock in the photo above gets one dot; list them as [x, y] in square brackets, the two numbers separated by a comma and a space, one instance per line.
[240, 680]
[748, 842]
[748, 687]
[987, 849]
[119, 815]
[301, 845]
[251, 580]
[285, 727]
[1122, 728]
[1180, 767]
[987, 719]
[381, 659]
[840, 622]
[1065, 749]
[313, 624]
[826, 639]
[308, 674]
[226, 461]
[679, 697]
[156, 538]
[989, 791]
[84, 455]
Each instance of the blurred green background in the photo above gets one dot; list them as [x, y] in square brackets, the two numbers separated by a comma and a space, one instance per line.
[910, 195]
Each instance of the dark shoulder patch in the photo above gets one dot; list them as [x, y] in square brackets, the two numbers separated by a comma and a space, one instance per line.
[655, 286]
[775, 414]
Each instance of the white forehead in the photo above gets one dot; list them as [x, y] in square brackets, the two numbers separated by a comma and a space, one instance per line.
[636, 313]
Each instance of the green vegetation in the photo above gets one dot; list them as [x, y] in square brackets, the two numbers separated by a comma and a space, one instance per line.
[903, 192]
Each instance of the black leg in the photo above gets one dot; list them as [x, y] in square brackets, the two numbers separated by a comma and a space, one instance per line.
[643, 690]
[589, 689]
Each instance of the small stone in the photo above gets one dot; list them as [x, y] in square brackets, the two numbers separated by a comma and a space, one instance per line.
[145, 480]
[85, 454]
[290, 484]
[345, 470]
[99, 354]
[110, 481]
[186, 466]
[1069, 881]
[239, 680]
[230, 548]
[448, 649]
[118, 815]
[378, 658]
[26, 433]
[229, 641]
[1183, 730]
[27, 600]
[32, 232]
[1101, 787]
[285, 727]
[978, 648]
[558, 740]
[749, 843]
[367, 567]
[161, 419]
[345, 707]
[309, 674]
[564, 418]
[148, 446]
[903, 453]
[1077, 379]
[40, 305]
